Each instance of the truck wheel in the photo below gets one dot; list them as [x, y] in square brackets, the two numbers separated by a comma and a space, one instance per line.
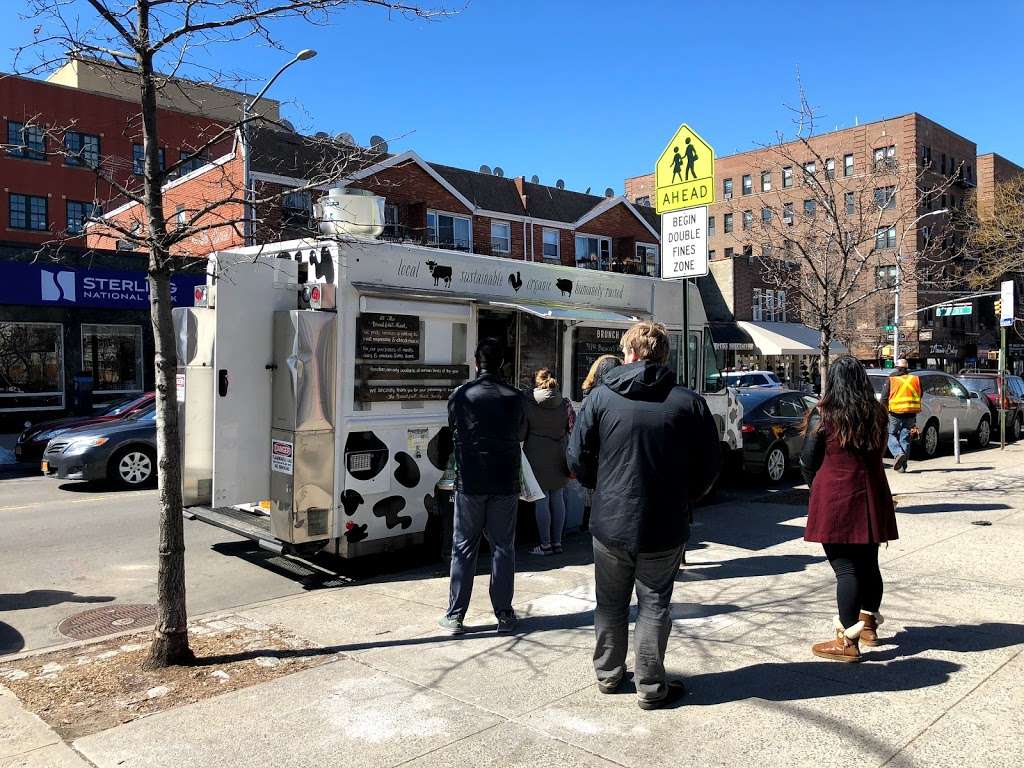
[132, 467]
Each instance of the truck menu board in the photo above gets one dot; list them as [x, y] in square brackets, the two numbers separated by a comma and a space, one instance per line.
[589, 345]
[387, 337]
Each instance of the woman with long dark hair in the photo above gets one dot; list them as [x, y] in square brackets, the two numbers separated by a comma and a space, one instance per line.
[851, 510]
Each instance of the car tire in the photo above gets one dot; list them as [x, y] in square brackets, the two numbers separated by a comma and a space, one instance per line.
[1016, 426]
[132, 467]
[775, 464]
[983, 434]
[930, 440]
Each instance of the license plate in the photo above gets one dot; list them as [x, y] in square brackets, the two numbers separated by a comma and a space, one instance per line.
[45, 467]
[17, 451]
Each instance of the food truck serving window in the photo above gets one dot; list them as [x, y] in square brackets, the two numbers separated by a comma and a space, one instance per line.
[588, 345]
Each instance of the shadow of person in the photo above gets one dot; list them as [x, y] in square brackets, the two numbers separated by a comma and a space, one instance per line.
[11, 640]
[44, 598]
[959, 638]
[952, 506]
[742, 567]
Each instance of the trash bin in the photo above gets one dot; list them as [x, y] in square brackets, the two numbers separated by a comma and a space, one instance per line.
[81, 398]
[443, 518]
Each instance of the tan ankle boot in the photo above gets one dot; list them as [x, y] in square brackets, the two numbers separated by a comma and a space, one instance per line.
[871, 621]
[845, 646]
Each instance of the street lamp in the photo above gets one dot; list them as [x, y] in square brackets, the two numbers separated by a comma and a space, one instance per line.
[899, 281]
[247, 106]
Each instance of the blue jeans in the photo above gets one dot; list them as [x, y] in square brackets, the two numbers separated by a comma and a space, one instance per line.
[550, 512]
[900, 425]
[475, 515]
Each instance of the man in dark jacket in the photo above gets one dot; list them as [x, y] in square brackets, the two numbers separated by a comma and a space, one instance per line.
[650, 449]
[488, 421]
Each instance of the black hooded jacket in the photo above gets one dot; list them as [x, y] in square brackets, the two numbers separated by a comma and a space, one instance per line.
[650, 449]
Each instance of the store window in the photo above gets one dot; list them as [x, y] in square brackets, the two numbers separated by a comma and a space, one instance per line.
[113, 355]
[540, 346]
[31, 366]
[551, 246]
[588, 345]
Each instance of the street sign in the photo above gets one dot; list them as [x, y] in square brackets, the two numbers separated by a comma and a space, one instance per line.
[684, 243]
[889, 328]
[954, 310]
[684, 175]
[1006, 299]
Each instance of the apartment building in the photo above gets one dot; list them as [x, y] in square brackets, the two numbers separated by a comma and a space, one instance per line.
[757, 184]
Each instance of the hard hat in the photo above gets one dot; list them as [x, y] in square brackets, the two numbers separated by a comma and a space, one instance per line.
[902, 363]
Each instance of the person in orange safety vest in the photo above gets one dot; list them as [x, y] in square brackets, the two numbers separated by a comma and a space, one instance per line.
[901, 396]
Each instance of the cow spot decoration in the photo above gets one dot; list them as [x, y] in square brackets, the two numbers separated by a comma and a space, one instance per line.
[439, 443]
[355, 532]
[430, 505]
[407, 473]
[388, 508]
[350, 501]
[368, 443]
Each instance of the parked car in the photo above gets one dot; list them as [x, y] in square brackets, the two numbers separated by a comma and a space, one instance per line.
[773, 430]
[32, 442]
[987, 385]
[752, 379]
[943, 399]
[122, 451]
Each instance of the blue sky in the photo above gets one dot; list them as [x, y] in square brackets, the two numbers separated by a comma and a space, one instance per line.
[590, 91]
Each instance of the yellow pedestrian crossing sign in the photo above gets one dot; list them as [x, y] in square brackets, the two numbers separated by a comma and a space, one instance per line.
[685, 173]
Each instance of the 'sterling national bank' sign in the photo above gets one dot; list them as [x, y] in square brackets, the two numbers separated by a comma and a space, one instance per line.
[57, 285]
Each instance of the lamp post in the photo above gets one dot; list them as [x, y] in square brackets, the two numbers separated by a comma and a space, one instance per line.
[247, 106]
[899, 282]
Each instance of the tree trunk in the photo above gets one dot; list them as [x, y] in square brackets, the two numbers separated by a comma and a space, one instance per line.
[170, 641]
[824, 352]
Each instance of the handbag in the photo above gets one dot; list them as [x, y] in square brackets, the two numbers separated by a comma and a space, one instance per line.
[529, 488]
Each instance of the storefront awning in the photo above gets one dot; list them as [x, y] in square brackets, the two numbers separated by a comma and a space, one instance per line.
[569, 313]
[786, 338]
[730, 337]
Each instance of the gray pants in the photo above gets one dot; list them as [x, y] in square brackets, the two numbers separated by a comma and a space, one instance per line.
[473, 516]
[616, 572]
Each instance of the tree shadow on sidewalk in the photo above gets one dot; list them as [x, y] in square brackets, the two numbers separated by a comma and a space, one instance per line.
[743, 567]
[953, 506]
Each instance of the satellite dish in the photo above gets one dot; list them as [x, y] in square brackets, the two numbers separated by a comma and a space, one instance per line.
[378, 143]
[321, 135]
[609, 192]
[587, 192]
[560, 184]
[485, 169]
[345, 138]
[498, 171]
[288, 124]
[535, 179]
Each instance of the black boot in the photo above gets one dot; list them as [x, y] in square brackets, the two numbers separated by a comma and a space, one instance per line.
[585, 525]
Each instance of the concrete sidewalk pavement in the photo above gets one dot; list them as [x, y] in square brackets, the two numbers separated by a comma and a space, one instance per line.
[944, 691]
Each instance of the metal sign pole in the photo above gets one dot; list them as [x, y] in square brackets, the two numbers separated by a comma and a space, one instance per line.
[686, 332]
[1002, 388]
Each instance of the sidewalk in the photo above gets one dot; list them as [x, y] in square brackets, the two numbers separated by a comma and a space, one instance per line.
[945, 692]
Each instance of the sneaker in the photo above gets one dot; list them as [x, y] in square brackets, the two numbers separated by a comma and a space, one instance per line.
[900, 465]
[454, 626]
[557, 549]
[675, 691]
[609, 686]
[541, 551]
[507, 622]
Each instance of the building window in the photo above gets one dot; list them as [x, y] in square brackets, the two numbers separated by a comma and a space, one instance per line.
[830, 168]
[847, 165]
[26, 141]
[180, 217]
[645, 200]
[31, 366]
[787, 177]
[647, 256]
[78, 214]
[139, 159]
[113, 355]
[296, 210]
[552, 251]
[885, 237]
[926, 156]
[729, 253]
[727, 223]
[727, 188]
[593, 252]
[711, 226]
[810, 168]
[780, 306]
[392, 223]
[952, 166]
[885, 158]
[766, 181]
[501, 237]
[748, 253]
[810, 207]
[748, 220]
[766, 216]
[885, 277]
[83, 149]
[449, 231]
[711, 255]
[850, 203]
[191, 162]
[755, 308]
[28, 212]
[968, 174]
[748, 185]
[885, 197]
[787, 213]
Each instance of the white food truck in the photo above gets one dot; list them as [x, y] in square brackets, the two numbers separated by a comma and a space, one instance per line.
[314, 375]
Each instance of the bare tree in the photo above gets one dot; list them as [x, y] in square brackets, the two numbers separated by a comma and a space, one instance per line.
[827, 231]
[992, 231]
[154, 44]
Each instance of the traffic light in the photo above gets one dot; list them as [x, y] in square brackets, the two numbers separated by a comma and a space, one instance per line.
[999, 307]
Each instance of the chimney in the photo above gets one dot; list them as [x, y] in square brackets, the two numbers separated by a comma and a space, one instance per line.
[520, 181]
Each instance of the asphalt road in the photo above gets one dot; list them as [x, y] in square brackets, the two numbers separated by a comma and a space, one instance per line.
[69, 547]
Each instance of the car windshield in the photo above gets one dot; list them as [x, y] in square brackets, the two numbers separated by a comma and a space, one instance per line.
[773, 378]
[877, 382]
[980, 384]
[149, 414]
[123, 406]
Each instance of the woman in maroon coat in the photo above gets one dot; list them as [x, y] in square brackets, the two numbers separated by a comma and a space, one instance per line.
[851, 510]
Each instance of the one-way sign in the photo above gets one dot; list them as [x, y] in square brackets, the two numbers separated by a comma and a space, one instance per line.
[684, 243]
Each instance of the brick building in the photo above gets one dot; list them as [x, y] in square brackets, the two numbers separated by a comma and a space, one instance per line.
[754, 184]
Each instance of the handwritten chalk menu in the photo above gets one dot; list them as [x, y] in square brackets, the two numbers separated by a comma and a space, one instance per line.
[414, 371]
[387, 337]
[590, 344]
[394, 393]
